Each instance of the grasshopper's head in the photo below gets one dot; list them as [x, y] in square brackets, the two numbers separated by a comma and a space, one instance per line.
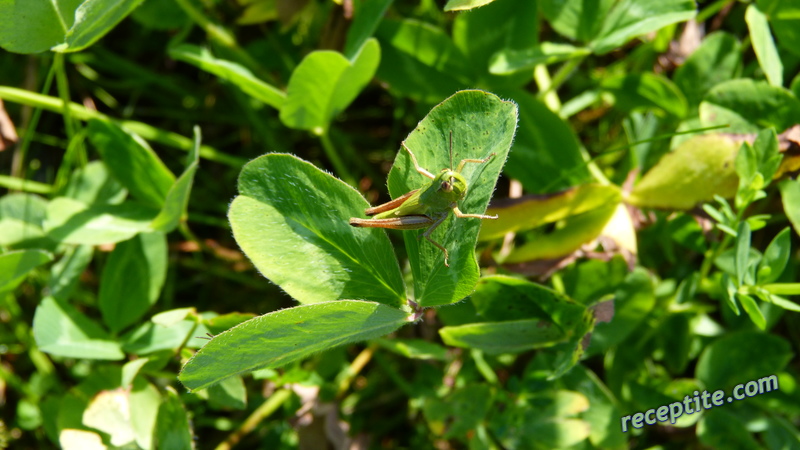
[451, 184]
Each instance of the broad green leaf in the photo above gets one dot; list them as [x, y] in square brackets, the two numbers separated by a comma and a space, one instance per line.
[576, 19]
[109, 412]
[232, 72]
[21, 219]
[144, 401]
[292, 220]
[481, 124]
[645, 91]
[229, 393]
[93, 184]
[414, 348]
[527, 212]
[72, 222]
[790, 196]
[65, 273]
[742, 255]
[278, 338]
[511, 336]
[695, 172]
[420, 61]
[775, 257]
[546, 156]
[14, 266]
[632, 18]
[149, 337]
[501, 298]
[510, 61]
[132, 162]
[132, 279]
[764, 45]
[93, 19]
[500, 25]
[59, 329]
[719, 428]
[633, 301]
[367, 15]
[572, 233]
[542, 421]
[462, 5]
[747, 106]
[751, 308]
[173, 429]
[717, 59]
[741, 357]
[324, 84]
[177, 199]
[784, 16]
[458, 413]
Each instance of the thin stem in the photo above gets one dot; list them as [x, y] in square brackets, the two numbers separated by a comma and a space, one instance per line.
[335, 159]
[355, 368]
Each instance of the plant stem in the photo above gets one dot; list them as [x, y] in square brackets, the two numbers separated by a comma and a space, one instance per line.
[272, 404]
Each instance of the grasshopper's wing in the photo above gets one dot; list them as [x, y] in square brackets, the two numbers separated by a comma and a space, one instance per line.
[389, 205]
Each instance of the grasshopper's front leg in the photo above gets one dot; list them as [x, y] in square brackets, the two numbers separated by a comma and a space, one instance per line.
[477, 161]
[416, 164]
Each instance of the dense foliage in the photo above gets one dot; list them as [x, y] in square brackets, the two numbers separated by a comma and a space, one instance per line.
[178, 269]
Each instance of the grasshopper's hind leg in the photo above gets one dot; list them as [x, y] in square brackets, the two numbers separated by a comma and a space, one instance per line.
[427, 235]
[477, 161]
[460, 214]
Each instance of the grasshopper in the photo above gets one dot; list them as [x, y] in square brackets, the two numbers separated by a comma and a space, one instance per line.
[428, 206]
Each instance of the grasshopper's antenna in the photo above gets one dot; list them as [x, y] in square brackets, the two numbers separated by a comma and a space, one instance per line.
[451, 149]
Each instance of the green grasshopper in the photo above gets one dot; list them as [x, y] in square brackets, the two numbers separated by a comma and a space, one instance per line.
[426, 207]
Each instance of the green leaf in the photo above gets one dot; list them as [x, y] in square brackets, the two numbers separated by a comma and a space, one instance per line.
[59, 329]
[511, 336]
[149, 337]
[132, 162]
[232, 72]
[144, 402]
[742, 357]
[775, 257]
[173, 429]
[751, 308]
[420, 61]
[35, 26]
[132, 279]
[177, 199]
[324, 84]
[632, 18]
[72, 222]
[747, 106]
[109, 412]
[784, 16]
[21, 219]
[717, 59]
[530, 211]
[719, 428]
[576, 19]
[742, 255]
[292, 220]
[92, 184]
[696, 171]
[546, 156]
[764, 45]
[646, 91]
[278, 338]
[510, 61]
[501, 25]
[65, 273]
[93, 19]
[481, 124]
[462, 5]
[228, 393]
[14, 266]
[367, 15]
[790, 195]
[633, 301]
